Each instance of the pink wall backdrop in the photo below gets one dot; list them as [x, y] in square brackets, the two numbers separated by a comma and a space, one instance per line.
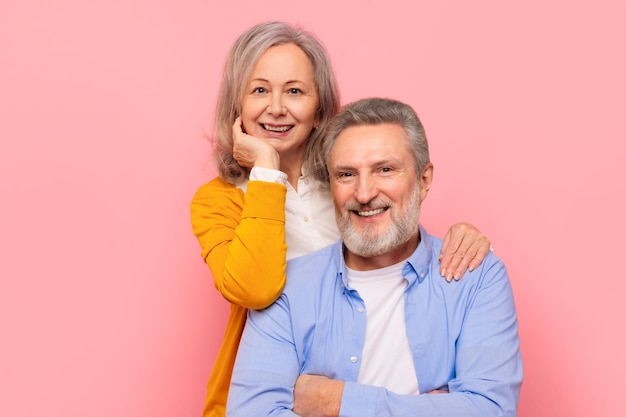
[106, 308]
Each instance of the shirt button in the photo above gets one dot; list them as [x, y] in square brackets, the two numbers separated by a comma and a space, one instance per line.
[353, 359]
[422, 274]
[360, 309]
[306, 219]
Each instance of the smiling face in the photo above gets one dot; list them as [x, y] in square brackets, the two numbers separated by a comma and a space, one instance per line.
[280, 101]
[377, 194]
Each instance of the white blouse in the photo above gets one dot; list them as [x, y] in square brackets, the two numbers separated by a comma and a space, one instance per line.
[309, 212]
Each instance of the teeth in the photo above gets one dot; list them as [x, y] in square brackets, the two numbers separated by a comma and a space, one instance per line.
[370, 212]
[276, 128]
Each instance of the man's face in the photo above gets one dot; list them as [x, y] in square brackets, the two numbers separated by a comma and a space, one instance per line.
[376, 191]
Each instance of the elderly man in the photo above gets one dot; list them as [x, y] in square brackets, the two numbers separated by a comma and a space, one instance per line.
[366, 327]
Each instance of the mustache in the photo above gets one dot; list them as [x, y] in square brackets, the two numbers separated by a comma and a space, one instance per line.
[370, 205]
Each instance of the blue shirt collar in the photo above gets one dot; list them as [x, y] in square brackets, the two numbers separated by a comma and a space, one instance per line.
[417, 267]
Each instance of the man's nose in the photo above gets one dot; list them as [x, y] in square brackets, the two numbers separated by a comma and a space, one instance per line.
[366, 189]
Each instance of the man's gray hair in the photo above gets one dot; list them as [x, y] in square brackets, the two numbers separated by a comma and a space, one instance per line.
[375, 111]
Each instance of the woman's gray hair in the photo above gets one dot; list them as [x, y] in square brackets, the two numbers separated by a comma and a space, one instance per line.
[375, 111]
[238, 67]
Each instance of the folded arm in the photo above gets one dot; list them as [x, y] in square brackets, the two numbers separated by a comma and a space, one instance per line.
[486, 374]
[488, 370]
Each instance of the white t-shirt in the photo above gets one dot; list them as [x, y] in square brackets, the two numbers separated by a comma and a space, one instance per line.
[386, 360]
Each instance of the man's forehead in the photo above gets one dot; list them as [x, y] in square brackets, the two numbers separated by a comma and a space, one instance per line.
[381, 142]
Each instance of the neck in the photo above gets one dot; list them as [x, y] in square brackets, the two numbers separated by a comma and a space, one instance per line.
[292, 166]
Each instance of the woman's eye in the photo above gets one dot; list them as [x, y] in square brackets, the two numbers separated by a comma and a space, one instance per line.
[259, 90]
[294, 91]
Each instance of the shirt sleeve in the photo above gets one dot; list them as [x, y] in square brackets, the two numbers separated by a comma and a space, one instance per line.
[242, 238]
[267, 365]
[488, 367]
[268, 174]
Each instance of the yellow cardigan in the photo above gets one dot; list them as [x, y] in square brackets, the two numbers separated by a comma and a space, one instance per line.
[243, 242]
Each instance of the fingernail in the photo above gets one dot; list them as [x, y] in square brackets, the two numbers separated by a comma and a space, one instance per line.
[457, 277]
[443, 272]
[449, 277]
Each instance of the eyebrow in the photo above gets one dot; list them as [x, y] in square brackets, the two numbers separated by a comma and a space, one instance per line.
[341, 167]
[268, 81]
[386, 161]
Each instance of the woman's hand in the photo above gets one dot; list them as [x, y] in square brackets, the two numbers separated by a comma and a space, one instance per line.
[464, 247]
[250, 151]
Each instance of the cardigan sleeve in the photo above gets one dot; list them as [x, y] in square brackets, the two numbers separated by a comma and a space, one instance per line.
[242, 238]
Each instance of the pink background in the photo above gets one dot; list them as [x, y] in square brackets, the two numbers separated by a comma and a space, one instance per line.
[106, 308]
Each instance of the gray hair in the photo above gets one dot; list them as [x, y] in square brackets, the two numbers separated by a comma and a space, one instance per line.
[375, 111]
[242, 58]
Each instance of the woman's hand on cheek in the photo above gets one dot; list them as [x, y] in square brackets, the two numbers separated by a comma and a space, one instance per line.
[250, 151]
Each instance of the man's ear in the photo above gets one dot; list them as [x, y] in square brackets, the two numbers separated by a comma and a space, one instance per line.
[426, 180]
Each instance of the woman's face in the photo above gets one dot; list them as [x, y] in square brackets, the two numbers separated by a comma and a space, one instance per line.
[280, 100]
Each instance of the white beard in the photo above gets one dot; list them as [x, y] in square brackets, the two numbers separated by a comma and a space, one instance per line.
[368, 242]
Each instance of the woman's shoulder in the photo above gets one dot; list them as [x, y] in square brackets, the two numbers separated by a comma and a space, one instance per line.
[215, 187]
[217, 194]
[219, 191]
[217, 183]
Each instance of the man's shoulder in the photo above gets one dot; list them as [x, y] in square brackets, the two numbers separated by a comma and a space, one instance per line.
[491, 268]
[435, 244]
[327, 252]
[491, 271]
[310, 270]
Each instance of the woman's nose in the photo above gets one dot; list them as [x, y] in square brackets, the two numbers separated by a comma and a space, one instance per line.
[276, 107]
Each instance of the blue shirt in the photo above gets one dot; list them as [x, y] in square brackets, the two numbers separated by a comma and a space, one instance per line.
[462, 334]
